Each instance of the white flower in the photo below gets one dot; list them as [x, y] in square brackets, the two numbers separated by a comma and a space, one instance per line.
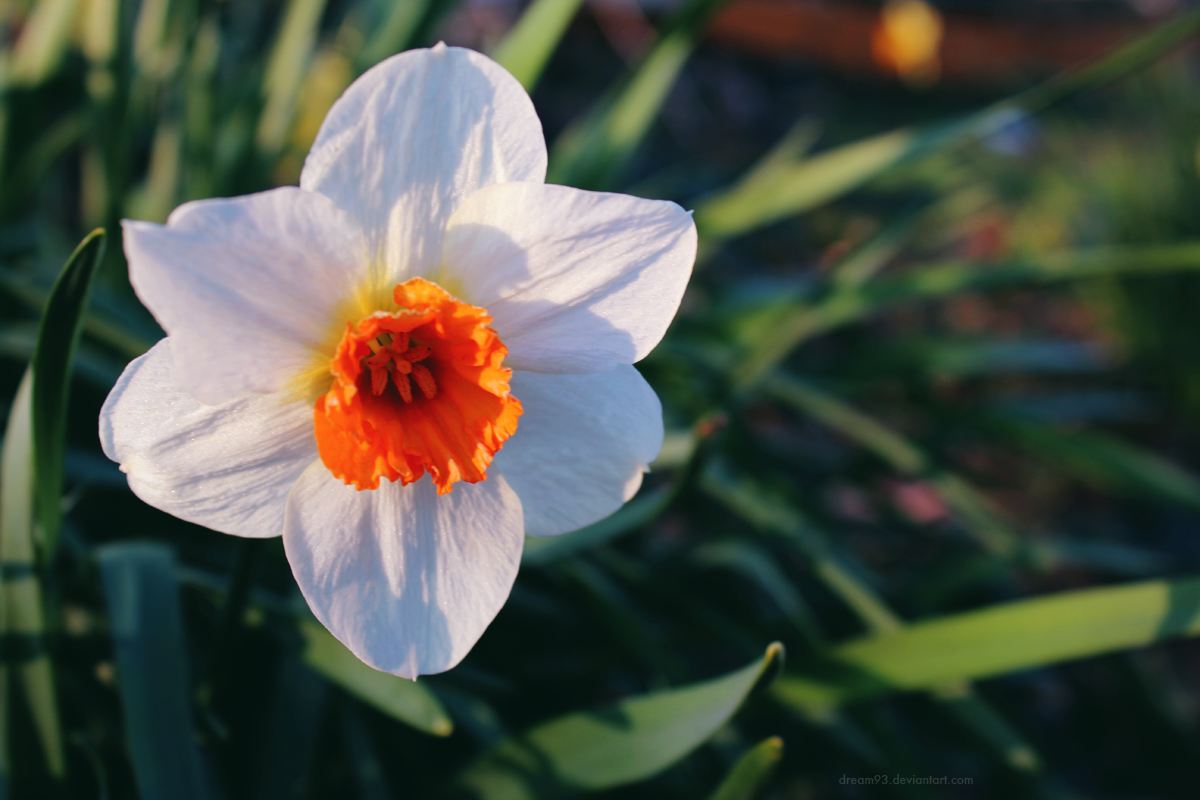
[421, 300]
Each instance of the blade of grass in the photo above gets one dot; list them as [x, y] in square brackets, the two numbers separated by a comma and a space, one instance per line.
[976, 715]
[939, 280]
[405, 700]
[590, 154]
[43, 41]
[751, 771]
[1105, 461]
[542, 550]
[22, 617]
[765, 196]
[528, 46]
[994, 641]
[103, 326]
[149, 643]
[285, 73]
[58, 336]
[627, 742]
[743, 497]
[971, 510]
[394, 34]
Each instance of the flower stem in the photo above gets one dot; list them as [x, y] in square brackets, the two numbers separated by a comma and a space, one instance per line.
[249, 553]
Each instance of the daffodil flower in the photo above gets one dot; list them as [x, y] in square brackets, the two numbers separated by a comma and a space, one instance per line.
[407, 363]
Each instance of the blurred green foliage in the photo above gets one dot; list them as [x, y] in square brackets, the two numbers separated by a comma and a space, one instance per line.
[931, 400]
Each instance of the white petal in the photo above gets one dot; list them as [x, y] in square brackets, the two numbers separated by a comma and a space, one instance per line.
[581, 448]
[228, 467]
[411, 138]
[575, 281]
[406, 579]
[247, 288]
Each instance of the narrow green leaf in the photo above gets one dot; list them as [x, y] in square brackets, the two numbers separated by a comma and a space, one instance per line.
[528, 46]
[5, 764]
[290, 736]
[861, 264]
[762, 509]
[106, 327]
[58, 336]
[613, 746]
[751, 771]
[149, 643]
[541, 550]
[286, 71]
[1106, 462]
[591, 153]
[997, 640]
[970, 509]
[758, 566]
[43, 41]
[21, 612]
[394, 33]
[977, 716]
[764, 196]
[940, 280]
[408, 701]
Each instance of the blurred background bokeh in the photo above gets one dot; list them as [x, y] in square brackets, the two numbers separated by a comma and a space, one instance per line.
[932, 401]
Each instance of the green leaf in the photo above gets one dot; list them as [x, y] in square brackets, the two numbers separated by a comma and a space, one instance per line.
[394, 32]
[1106, 462]
[741, 495]
[528, 46]
[985, 722]
[286, 71]
[43, 41]
[792, 186]
[408, 701]
[58, 336]
[970, 509]
[146, 620]
[591, 153]
[541, 550]
[997, 640]
[758, 566]
[613, 746]
[936, 281]
[21, 614]
[751, 771]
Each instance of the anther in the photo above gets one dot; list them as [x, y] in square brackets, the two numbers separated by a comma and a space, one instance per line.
[425, 380]
[402, 384]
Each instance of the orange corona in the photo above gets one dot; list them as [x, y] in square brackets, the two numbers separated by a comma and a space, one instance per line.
[417, 389]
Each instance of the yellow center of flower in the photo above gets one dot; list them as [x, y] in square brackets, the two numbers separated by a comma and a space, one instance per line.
[421, 388]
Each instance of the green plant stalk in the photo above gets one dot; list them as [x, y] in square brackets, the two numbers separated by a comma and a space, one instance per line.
[958, 697]
[592, 153]
[970, 509]
[285, 73]
[528, 46]
[22, 618]
[767, 195]
[947, 278]
[394, 34]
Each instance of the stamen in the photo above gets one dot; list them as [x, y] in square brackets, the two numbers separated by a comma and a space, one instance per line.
[379, 376]
[417, 353]
[450, 424]
[425, 380]
[402, 384]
